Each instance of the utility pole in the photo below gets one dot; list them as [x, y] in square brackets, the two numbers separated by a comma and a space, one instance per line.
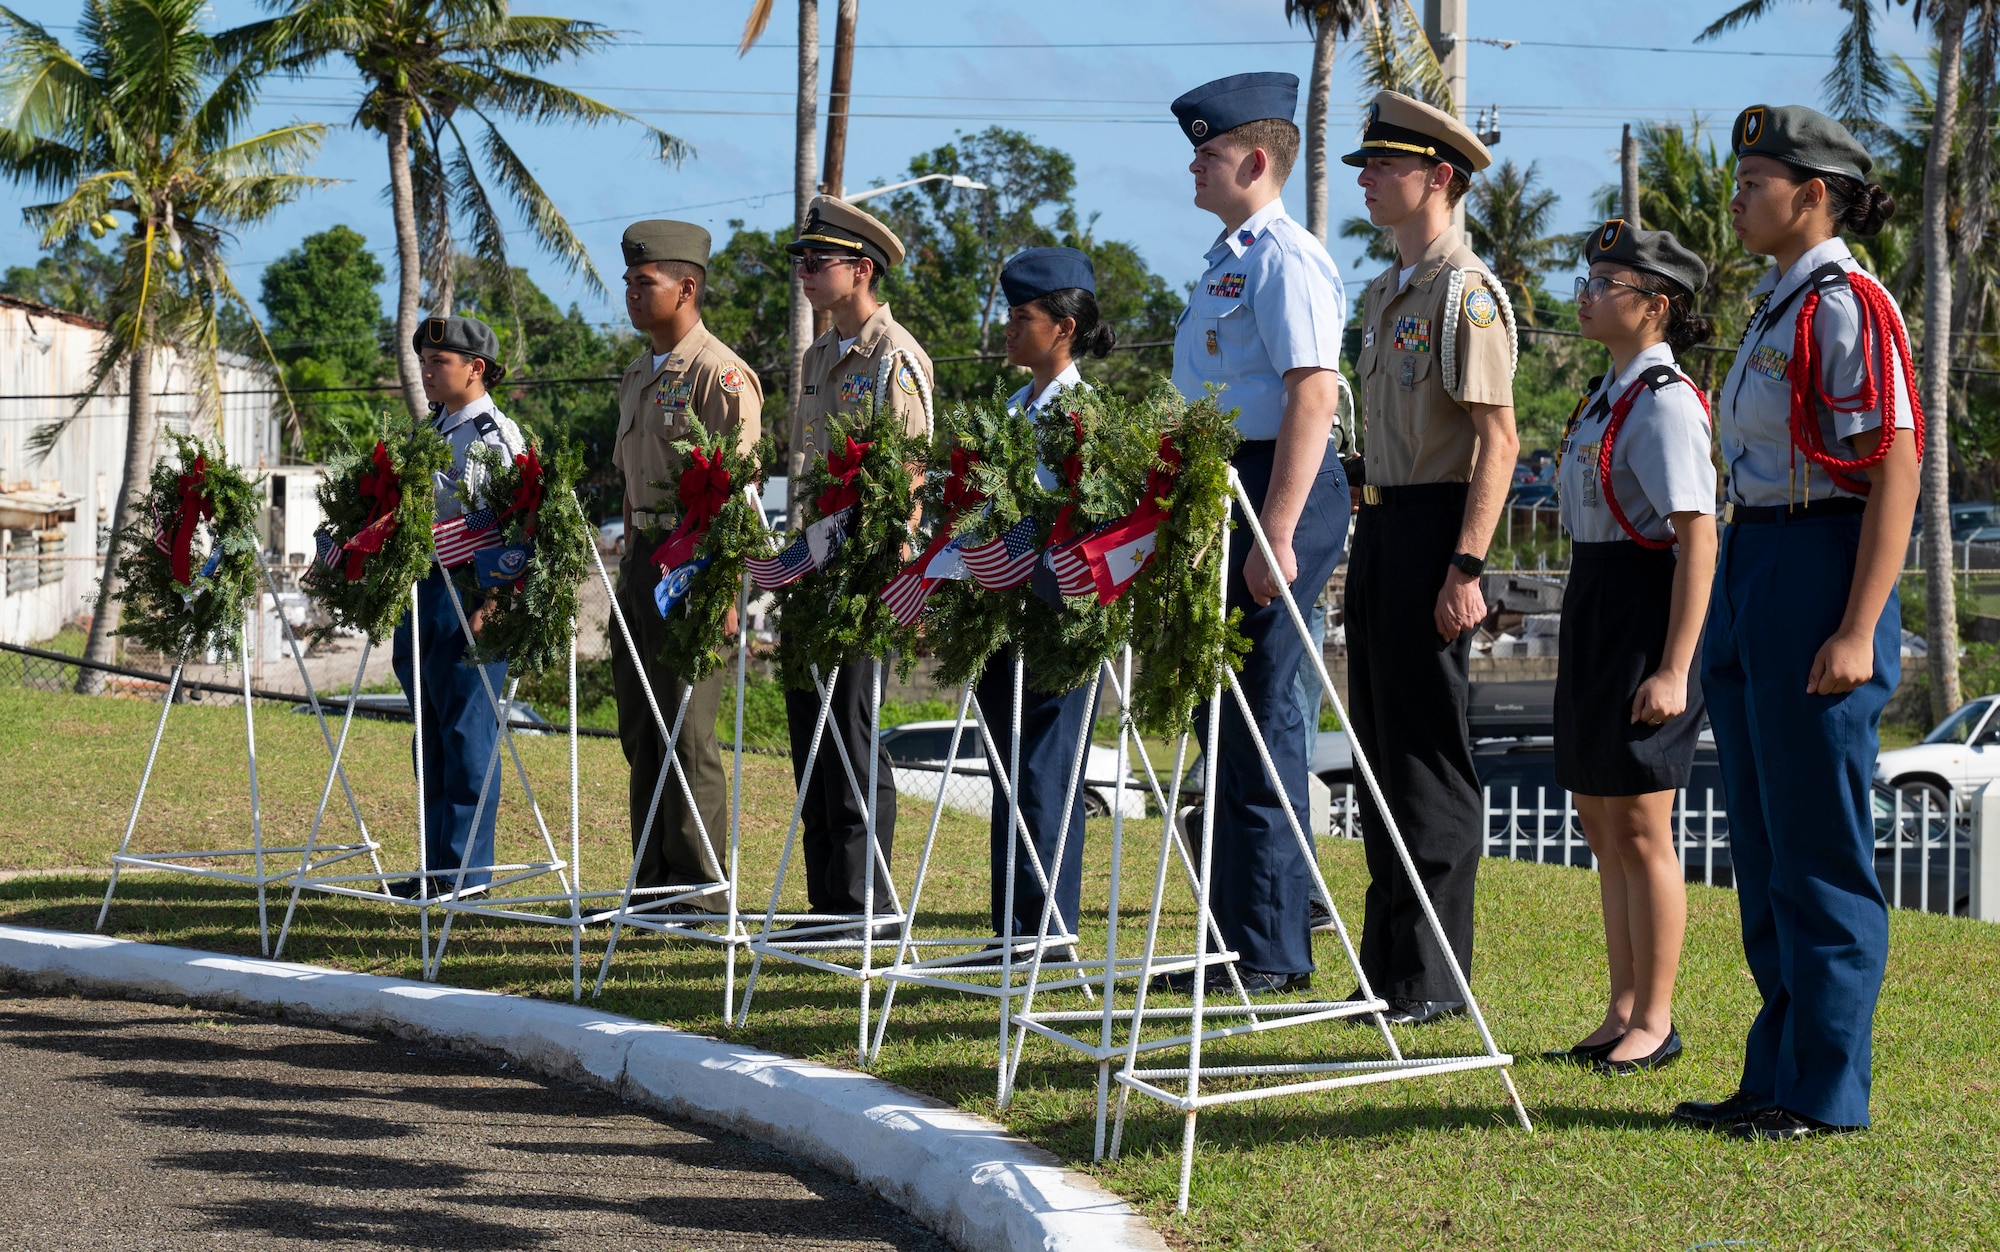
[1444, 27]
[838, 92]
[804, 182]
[1628, 179]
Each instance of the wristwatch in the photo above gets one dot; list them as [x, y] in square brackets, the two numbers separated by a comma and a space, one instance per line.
[1472, 566]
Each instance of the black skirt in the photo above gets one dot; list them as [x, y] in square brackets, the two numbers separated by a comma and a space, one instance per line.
[1613, 634]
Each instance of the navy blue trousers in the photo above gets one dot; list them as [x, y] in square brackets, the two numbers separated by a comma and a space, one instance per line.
[1796, 770]
[458, 735]
[1050, 725]
[1261, 883]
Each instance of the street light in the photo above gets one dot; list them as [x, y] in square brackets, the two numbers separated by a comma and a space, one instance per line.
[958, 181]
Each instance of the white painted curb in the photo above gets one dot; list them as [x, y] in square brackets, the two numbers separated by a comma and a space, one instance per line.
[963, 1176]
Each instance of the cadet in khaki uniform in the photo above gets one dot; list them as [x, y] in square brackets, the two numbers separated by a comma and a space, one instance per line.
[689, 374]
[841, 255]
[1436, 371]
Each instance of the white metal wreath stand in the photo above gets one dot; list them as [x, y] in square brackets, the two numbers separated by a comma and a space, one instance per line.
[1292, 1078]
[260, 875]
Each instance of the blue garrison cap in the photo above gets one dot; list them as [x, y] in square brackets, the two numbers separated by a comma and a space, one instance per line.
[1227, 103]
[1036, 272]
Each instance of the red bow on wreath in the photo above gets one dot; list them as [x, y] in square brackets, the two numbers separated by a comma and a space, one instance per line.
[704, 490]
[383, 490]
[528, 496]
[1072, 473]
[843, 466]
[193, 506]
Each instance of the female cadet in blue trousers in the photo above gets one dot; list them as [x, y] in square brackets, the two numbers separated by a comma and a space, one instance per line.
[1821, 436]
[1636, 483]
[1051, 320]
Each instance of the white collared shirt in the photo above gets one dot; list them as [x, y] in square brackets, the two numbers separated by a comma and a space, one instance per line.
[1019, 403]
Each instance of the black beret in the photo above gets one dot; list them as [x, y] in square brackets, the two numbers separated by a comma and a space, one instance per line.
[1651, 251]
[1227, 103]
[661, 240]
[462, 334]
[1038, 271]
[1800, 136]
[1401, 126]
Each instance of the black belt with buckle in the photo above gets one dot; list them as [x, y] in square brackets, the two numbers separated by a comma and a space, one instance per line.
[1761, 514]
[1414, 495]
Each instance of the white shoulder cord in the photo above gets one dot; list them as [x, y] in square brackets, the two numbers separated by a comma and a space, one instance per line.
[1448, 348]
[889, 360]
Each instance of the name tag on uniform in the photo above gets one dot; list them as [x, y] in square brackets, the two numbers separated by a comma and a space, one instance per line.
[811, 388]
[1368, 336]
[1229, 286]
[1413, 334]
[1769, 362]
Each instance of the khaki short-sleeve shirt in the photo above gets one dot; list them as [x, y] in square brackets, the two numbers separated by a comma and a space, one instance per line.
[1428, 352]
[834, 382]
[700, 379]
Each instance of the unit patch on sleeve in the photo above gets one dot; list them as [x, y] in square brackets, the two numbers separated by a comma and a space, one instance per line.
[1229, 286]
[1480, 307]
[1768, 361]
[732, 380]
[906, 378]
[674, 396]
[1413, 334]
[854, 387]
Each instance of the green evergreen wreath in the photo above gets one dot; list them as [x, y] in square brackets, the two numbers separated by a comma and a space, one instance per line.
[528, 621]
[1182, 637]
[375, 600]
[836, 613]
[194, 490]
[694, 640]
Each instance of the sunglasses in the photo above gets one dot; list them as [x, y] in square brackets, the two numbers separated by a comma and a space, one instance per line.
[814, 262]
[1592, 289]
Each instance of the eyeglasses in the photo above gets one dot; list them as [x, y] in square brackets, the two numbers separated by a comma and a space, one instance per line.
[1592, 289]
[814, 262]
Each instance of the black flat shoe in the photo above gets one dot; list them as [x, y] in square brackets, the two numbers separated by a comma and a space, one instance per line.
[1584, 1054]
[1721, 1113]
[1775, 1123]
[1666, 1054]
[1418, 1012]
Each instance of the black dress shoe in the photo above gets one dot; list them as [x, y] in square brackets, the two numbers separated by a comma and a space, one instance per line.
[1319, 915]
[1584, 1054]
[1418, 1012]
[1666, 1054]
[1776, 1123]
[1255, 981]
[403, 889]
[1721, 1113]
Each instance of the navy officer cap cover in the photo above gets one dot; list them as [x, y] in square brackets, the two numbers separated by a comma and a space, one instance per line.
[1227, 103]
[1035, 272]
[465, 335]
[1649, 251]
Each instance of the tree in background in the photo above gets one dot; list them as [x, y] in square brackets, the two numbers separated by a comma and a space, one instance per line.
[1329, 22]
[430, 70]
[144, 119]
[324, 319]
[1508, 224]
[75, 276]
[747, 304]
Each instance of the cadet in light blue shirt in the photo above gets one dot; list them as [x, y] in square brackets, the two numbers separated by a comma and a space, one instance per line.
[1264, 325]
[1659, 461]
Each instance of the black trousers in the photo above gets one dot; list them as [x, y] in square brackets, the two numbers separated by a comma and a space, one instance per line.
[1406, 693]
[834, 826]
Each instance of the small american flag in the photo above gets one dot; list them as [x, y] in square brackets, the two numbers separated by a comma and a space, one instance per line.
[787, 567]
[327, 548]
[1072, 571]
[160, 542]
[459, 537]
[910, 590]
[1005, 561]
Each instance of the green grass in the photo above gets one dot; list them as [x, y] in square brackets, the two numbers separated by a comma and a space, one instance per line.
[1418, 1164]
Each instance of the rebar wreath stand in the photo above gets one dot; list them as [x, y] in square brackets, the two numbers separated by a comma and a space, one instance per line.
[260, 875]
[1293, 1078]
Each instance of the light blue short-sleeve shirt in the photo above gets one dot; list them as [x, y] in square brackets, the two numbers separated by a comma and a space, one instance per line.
[1659, 462]
[1021, 402]
[1270, 300]
[1754, 413]
[462, 488]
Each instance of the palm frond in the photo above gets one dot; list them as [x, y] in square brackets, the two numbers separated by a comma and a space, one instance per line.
[531, 42]
[275, 151]
[753, 25]
[551, 229]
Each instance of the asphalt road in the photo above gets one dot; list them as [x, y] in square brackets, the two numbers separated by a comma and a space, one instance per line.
[139, 1126]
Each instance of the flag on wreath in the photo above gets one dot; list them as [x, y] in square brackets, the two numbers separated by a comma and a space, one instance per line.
[460, 537]
[1114, 554]
[910, 590]
[1005, 561]
[783, 569]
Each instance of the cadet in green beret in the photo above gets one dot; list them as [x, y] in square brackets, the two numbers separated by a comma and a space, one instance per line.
[687, 374]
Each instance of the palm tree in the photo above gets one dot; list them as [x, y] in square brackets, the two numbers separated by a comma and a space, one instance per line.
[144, 119]
[1508, 221]
[1329, 21]
[427, 66]
[1859, 83]
[1396, 55]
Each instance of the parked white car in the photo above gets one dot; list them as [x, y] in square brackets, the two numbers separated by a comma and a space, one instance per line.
[917, 751]
[1961, 753]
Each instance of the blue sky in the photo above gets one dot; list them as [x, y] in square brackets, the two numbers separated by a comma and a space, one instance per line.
[1091, 77]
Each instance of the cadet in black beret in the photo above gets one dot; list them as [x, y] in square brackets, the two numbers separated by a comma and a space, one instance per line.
[467, 336]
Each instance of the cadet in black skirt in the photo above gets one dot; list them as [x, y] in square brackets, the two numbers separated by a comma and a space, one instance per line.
[1636, 482]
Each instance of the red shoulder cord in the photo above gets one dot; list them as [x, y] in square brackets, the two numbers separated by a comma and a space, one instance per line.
[1619, 412]
[1879, 323]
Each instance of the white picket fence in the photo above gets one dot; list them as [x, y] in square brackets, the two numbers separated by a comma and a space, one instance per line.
[1927, 857]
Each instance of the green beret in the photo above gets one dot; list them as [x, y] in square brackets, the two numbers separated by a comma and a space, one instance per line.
[663, 240]
[468, 335]
[1649, 251]
[1800, 136]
